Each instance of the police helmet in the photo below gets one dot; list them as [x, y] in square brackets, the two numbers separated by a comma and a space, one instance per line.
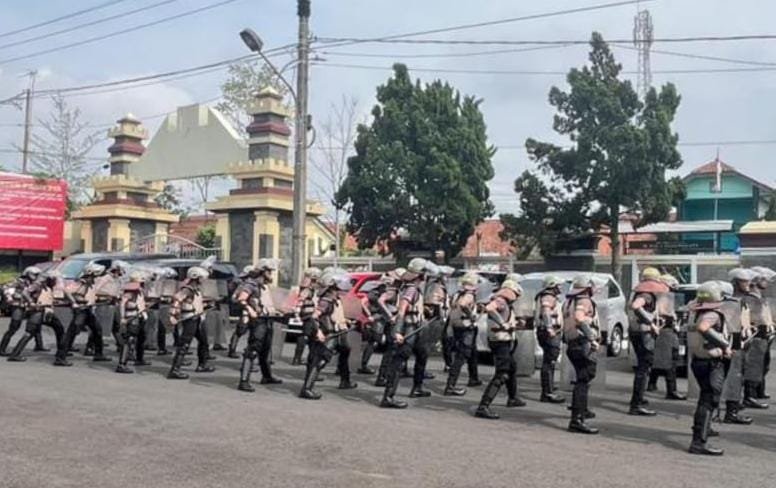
[266, 264]
[650, 273]
[418, 266]
[197, 273]
[31, 272]
[137, 276]
[313, 273]
[169, 273]
[764, 273]
[512, 285]
[670, 280]
[515, 277]
[740, 274]
[551, 281]
[709, 292]
[726, 289]
[469, 280]
[94, 269]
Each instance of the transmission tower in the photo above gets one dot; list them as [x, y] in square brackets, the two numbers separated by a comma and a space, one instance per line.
[643, 37]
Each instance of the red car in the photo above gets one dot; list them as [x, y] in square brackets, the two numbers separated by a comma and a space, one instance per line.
[358, 280]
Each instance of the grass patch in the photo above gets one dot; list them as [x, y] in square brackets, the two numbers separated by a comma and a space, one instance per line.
[7, 275]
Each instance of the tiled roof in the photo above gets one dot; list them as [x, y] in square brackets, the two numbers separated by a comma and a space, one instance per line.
[710, 169]
[188, 227]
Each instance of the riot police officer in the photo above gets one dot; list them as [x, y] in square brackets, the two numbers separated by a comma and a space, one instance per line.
[133, 316]
[406, 339]
[83, 301]
[581, 333]
[758, 352]
[549, 328]
[501, 340]
[643, 333]
[667, 344]
[708, 344]
[388, 300]
[258, 311]
[376, 315]
[436, 306]
[737, 321]
[187, 310]
[169, 286]
[249, 280]
[16, 301]
[328, 336]
[305, 307]
[463, 323]
[39, 299]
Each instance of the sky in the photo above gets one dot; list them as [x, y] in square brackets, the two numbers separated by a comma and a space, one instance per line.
[716, 108]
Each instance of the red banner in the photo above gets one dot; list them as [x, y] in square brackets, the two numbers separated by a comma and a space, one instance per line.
[32, 212]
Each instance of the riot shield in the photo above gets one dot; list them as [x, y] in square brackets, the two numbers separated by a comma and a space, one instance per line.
[524, 309]
[665, 344]
[107, 287]
[355, 341]
[353, 307]
[154, 290]
[222, 288]
[731, 310]
[525, 352]
[732, 390]
[168, 288]
[755, 360]
[209, 290]
[485, 290]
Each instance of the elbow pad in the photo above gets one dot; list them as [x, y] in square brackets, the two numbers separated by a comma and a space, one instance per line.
[715, 338]
[644, 316]
[495, 317]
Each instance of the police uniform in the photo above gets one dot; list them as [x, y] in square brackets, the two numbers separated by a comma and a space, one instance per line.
[757, 353]
[580, 331]
[305, 309]
[408, 323]
[707, 351]
[84, 299]
[132, 328]
[18, 312]
[388, 300]
[39, 297]
[463, 323]
[501, 341]
[188, 309]
[257, 314]
[549, 327]
[247, 283]
[378, 316]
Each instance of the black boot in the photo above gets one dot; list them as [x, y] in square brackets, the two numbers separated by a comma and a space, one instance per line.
[733, 417]
[418, 391]
[16, 354]
[484, 412]
[551, 398]
[308, 386]
[578, 426]
[204, 367]
[4, 344]
[60, 361]
[40, 346]
[700, 435]
[641, 411]
[474, 382]
[450, 388]
[175, 371]
[123, 357]
[245, 375]
[390, 402]
[750, 394]
[364, 369]
[516, 402]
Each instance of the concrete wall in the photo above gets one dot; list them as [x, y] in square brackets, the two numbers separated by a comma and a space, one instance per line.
[141, 228]
[241, 237]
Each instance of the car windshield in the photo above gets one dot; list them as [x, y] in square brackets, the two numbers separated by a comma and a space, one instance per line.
[71, 268]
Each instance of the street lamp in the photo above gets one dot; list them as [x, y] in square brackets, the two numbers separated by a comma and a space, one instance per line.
[255, 44]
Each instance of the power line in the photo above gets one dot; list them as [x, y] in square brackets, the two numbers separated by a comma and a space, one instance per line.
[119, 32]
[64, 17]
[87, 24]
[442, 55]
[557, 13]
[541, 72]
[481, 42]
[701, 56]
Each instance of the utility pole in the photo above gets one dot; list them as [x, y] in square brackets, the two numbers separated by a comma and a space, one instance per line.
[299, 240]
[28, 94]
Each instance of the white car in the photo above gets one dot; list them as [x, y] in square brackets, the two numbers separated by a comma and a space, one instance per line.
[611, 309]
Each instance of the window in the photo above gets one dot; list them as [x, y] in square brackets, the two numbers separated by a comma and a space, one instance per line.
[614, 290]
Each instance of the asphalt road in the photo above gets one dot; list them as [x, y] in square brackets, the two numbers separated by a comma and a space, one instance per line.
[86, 426]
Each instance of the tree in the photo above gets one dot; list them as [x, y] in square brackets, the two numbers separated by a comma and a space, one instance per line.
[206, 237]
[63, 150]
[621, 148]
[421, 167]
[329, 162]
[238, 91]
[170, 200]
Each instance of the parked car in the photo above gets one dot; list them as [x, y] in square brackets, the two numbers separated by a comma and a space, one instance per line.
[71, 267]
[221, 270]
[611, 309]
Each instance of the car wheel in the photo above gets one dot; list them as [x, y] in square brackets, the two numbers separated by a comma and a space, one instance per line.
[615, 343]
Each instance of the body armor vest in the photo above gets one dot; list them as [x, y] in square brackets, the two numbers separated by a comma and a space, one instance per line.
[505, 333]
[191, 303]
[134, 305]
[306, 303]
[435, 300]
[697, 344]
[84, 294]
[556, 314]
[413, 314]
[570, 325]
[460, 318]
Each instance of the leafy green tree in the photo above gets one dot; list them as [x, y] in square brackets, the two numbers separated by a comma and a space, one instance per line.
[621, 148]
[421, 168]
[170, 199]
[206, 236]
